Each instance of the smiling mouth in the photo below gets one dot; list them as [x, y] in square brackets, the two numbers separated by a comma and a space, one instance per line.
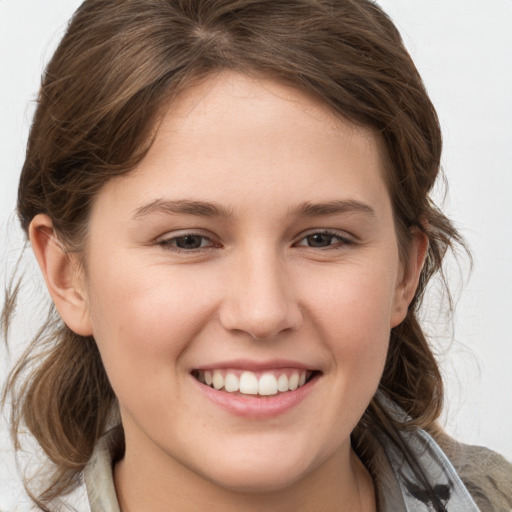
[267, 383]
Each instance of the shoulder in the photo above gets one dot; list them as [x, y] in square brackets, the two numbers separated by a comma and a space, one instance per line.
[486, 474]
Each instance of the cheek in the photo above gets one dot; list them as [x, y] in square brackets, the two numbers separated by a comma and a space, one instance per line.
[359, 299]
[353, 315]
[143, 324]
[349, 313]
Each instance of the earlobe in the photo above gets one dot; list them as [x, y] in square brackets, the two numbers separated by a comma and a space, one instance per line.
[408, 284]
[60, 272]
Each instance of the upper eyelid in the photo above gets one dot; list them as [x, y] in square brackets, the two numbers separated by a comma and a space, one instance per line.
[183, 232]
[334, 232]
[166, 242]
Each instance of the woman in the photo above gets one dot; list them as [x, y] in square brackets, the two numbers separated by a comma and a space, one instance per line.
[229, 202]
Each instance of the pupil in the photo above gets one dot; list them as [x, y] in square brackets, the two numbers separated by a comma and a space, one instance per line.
[189, 242]
[319, 240]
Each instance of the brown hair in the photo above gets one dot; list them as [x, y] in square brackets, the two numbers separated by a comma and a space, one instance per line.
[119, 61]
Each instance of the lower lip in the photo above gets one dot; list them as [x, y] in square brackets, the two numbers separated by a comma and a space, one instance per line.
[256, 407]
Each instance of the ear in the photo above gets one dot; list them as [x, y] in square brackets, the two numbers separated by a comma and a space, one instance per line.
[409, 277]
[61, 273]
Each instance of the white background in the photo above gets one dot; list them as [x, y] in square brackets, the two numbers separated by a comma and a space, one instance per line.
[464, 53]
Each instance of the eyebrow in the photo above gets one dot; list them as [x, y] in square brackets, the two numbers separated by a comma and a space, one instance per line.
[183, 207]
[208, 209]
[308, 209]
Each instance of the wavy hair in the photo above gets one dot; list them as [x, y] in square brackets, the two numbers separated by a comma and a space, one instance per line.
[99, 102]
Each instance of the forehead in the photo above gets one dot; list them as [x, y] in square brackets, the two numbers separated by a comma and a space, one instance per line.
[232, 137]
[254, 101]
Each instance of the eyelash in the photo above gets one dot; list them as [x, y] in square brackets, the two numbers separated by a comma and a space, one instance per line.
[169, 243]
[342, 241]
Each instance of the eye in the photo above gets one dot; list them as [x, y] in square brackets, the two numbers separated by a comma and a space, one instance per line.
[324, 239]
[186, 242]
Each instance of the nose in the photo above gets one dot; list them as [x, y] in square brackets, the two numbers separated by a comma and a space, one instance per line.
[260, 299]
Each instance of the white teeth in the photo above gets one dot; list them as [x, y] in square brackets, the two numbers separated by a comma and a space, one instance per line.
[249, 384]
[282, 383]
[267, 384]
[218, 380]
[293, 382]
[231, 383]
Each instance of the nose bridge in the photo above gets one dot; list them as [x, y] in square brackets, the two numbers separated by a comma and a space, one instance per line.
[261, 300]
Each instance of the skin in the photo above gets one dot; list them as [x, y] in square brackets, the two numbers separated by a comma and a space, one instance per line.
[256, 289]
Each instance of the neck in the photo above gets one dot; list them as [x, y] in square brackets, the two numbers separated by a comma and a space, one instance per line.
[145, 480]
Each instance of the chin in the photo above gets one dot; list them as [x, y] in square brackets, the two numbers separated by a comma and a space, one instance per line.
[257, 480]
[258, 471]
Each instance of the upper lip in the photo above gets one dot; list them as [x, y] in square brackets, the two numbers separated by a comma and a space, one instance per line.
[256, 366]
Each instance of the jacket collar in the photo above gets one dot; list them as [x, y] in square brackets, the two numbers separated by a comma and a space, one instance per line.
[395, 480]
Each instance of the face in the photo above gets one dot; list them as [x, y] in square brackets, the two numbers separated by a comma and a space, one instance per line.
[241, 285]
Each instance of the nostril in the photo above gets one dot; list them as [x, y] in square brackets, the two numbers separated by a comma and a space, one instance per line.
[260, 325]
[260, 305]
